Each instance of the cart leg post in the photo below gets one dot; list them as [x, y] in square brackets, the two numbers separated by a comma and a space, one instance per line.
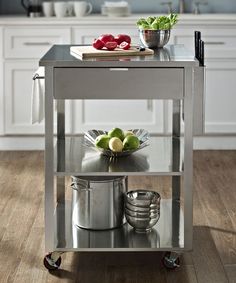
[49, 157]
[61, 150]
[61, 168]
[188, 159]
[176, 181]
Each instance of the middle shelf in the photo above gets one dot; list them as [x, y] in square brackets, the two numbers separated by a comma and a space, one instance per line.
[163, 156]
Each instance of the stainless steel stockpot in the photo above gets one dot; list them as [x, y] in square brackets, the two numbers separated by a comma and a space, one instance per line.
[99, 201]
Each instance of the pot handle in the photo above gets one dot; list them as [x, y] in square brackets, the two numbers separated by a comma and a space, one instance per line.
[24, 5]
[82, 187]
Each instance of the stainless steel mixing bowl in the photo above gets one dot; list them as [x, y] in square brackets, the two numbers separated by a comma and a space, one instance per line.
[154, 208]
[141, 225]
[141, 214]
[154, 38]
[143, 198]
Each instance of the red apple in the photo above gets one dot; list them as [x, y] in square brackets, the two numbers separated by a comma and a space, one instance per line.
[122, 37]
[98, 44]
[106, 38]
[111, 45]
[124, 45]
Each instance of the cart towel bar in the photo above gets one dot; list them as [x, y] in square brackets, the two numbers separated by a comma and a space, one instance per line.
[39, 74]
[38, 77]
[37, 96]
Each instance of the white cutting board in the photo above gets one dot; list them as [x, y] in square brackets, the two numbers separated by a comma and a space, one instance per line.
[90, 52]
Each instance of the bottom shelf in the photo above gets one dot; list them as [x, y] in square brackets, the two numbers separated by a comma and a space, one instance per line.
[166, 235]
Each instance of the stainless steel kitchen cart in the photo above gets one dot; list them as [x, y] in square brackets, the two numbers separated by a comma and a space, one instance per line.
[173, 73]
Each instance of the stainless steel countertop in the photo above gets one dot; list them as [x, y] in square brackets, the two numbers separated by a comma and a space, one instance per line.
[172, 56]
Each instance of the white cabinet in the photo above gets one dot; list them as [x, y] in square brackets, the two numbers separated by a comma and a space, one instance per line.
[23, 46]
[127, 114]
[17, 90]
[219, 42]
[1, 86]
[17, 94]
[220, 53]
[220, 100]
[24, 42]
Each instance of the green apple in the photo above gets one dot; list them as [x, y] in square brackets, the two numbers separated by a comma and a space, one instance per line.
[131, 143]
[116, 145]
[128, 133]
[102, 141]
[116, 133]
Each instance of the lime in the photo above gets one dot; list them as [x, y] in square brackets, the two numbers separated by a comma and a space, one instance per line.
[131, 142]
[116, 145]
[102, 141]
[116, 133]
[128, 133]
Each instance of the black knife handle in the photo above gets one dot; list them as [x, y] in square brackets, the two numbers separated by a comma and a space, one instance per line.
[202, 53]
[197, 36]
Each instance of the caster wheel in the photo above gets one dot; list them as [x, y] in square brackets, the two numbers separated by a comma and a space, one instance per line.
[50, 263]
[171, 260]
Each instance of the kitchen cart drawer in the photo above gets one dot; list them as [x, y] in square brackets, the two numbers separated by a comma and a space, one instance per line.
[118, 83]
[24, 42]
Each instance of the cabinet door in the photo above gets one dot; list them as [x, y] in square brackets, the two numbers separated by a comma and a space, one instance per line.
[17, 92]
[1, 85]
[17, 96]
[220, 101]
[220, 53]
[105, 114]
[127, 114]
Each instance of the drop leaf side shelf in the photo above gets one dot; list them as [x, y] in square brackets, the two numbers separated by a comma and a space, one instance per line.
[177, 76]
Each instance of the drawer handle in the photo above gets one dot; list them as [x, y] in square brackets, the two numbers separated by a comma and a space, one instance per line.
[119, 69]
[214, 42]
[150, 104]
[36, 43]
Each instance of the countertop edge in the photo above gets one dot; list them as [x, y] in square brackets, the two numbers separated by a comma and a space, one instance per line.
[185, 19]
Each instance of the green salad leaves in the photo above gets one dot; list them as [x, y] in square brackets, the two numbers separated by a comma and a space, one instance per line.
[158, 23]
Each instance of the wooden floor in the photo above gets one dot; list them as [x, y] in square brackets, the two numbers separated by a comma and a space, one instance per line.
[22, 229]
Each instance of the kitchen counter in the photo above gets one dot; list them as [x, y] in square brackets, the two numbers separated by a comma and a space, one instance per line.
[185, 19]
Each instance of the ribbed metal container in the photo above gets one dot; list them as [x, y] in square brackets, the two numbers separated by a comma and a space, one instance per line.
[99, 202]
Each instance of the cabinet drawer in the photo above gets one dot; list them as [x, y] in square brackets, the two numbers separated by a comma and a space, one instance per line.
[32, 42]
[119, 83]
[218, 43]
[220, 46]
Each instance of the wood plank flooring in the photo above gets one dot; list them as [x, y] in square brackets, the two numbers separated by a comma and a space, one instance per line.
[213, 259]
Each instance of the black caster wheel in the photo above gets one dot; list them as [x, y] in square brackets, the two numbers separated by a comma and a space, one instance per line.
[171, 260]
[50, 263]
